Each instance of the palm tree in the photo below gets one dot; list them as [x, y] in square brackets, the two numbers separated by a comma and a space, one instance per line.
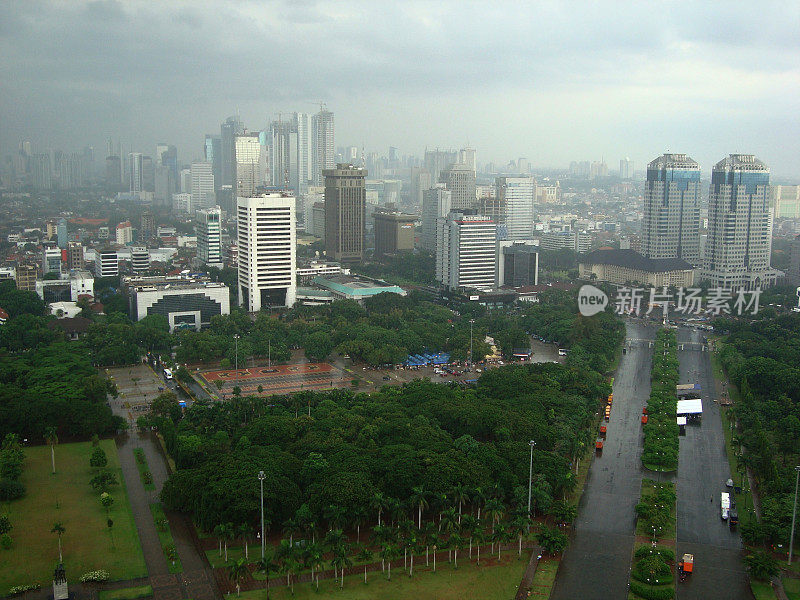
[51, 437]
[387, 554]
[459, 495]
[427, 534]
[499, 535]
[290, 566]
[290, 527]
[243, 530]
[420, 500]
[395, 509]
[435, 542]
[228, 533]
[336, 516]
[313, 557]
[364, 555]
[479, 499]
[341, 560]
[520, 526]
[334, 540]
[236, 571]
[358, 515]
[266, 565]
[59, 530]
[456, 542]
[479, 536]
[412, 543]
[449, 524]
[467, 527]
[378, 503]
[218, 529]
[441, 502]
[380, 535]
[495, 511]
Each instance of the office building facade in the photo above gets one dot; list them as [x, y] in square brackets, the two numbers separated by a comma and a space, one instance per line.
[516, 196]
[466, 251]
[323, 151]
[247, 164]
[266, 241]
[737, 251]
[394, 232]
[228, 131]
[436, 204]
[75, 258]
[460, 180]
[202, 185]
[135, 172]
[517, 264]
[345, 212]
[209, 236]
[25, 277]
[671, 220]
[106, 263]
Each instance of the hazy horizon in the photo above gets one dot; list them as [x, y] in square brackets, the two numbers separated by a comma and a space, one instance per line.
[550, 82]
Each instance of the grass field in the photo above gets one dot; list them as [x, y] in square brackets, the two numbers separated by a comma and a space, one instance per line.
[545, 578]
[131, 593]
[165, 536]
[495, 582]
[762, 591]
[67, 497]
[791, 587]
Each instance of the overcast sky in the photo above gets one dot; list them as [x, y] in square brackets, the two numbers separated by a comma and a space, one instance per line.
[552, 82]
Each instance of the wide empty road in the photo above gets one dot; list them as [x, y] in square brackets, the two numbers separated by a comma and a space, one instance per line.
[702, 472]
[597, 562]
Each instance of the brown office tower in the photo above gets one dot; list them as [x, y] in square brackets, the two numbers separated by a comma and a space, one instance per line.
[26, 278]
[75, 255]
[394, 232]
[345, 210]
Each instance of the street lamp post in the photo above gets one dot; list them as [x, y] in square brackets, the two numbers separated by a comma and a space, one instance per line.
[794, 513]
[471, 322]
[530, 478]
[261, 478]
[236, 357]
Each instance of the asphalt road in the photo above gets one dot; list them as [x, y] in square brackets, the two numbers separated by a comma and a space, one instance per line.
[597, 562]
[702, 471]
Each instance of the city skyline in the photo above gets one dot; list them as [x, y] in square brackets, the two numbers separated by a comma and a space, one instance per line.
[400, 76]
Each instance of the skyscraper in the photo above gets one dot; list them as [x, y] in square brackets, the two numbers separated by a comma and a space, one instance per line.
[345, 212]
[247, 164]
[323, 139]
[202, 185]
[305, 151]
[209, 240]
[460, 180]
[517, 195]
[671, 221]
[212, 149]
[466, 251]
[266, 241]
[41, 171]
[228, 130]
[437, 161]
[737, 252]
[135, 172]
[625, 168]
[113, 171]
[147, 226]
[436, 203]
[283, 157]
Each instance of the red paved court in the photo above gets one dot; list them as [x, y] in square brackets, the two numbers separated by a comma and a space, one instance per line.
[264, 372]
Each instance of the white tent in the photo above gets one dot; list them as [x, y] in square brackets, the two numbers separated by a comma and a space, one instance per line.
[690, 407]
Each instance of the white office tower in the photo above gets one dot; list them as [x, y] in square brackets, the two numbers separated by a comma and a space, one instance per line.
[671, 219]
[516, 196]
[267, 266]
[202, 185]
[737, 252]
[186, 181]
[460, 180]
[247, 164]
[466, 156]
[305, 149]
[323, 152]
[135, 172]
[466, 251]
[436, 204]
[209, 236]
[140, 259]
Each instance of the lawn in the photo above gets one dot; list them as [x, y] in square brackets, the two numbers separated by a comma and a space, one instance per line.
[131, 593]
[68, 498]
[762, 591]
[545, 578]
[641, 524]
[165, 536]
[495, 582]
[791, 587]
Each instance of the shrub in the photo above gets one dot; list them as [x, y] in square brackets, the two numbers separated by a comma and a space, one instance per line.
[21, 589]
[139, 454]
[649, 592]
[6, 542]
[98, 458]
[666, 554]
[147, 477]
[99, 575]
[11, 490]
[652, 569]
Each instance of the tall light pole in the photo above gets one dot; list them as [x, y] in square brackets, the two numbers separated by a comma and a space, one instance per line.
[530, 478]
[794, 513]
[236, 357]
[261, 478]
[471, 322]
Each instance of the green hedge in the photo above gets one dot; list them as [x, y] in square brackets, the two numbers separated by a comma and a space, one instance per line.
[666, 554]
[649, 592]
[660, 450]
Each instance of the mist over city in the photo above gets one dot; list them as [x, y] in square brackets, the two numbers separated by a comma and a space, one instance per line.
[412, 300]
